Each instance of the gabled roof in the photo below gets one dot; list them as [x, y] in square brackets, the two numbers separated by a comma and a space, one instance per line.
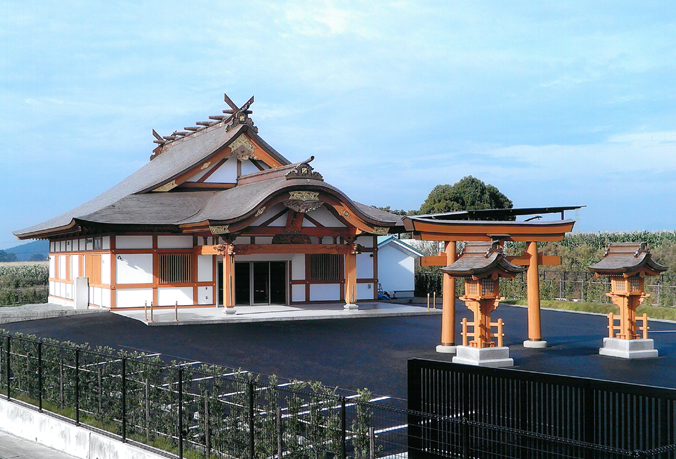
[133, 202]
[479, 259]
[627, 258]
[399, 245]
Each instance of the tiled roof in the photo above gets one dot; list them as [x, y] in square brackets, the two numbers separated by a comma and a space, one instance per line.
[479, 258]
[625, 257]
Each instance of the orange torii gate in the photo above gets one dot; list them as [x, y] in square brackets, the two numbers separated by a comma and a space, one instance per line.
[491, 225]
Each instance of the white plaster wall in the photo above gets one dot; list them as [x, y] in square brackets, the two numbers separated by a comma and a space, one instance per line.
[74, 266]
[89, 243]
[69, 245]
[307, 224]
[62, 266]
[83, 244]
[133, 242]
[205, 295]
[136, 268]
[51, 246]
[95, 295]
[125, 298]
[298, 267]
[325, 217]
[105, 268]
[298, 292]
[268, 214]
[324, 292]
[227, 173]
[170, 295]
[395, 269]
[105, 242]
[248, 167]
[365, 291]
[174, 242]
[52, 287]
[105, 297]
[263, 240]
[52, 265]
[205, 268]
[365, 266]
[280, 221]
[201, 174]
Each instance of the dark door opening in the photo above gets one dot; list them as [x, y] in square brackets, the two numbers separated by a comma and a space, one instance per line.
[257, 282]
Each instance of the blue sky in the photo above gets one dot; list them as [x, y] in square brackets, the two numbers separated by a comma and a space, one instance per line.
[555, 103]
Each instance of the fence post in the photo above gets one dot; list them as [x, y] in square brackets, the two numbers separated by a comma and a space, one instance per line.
[124, 398]
[251, 419]
[77, 387]
[343, 429]
[279, 432]
[180, 412]
[372, 443]
[7, 367]
[40, 376]
[465, 438]
[207, 436]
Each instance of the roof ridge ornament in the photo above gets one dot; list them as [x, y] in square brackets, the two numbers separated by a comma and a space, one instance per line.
[238, 115]
[304, 171]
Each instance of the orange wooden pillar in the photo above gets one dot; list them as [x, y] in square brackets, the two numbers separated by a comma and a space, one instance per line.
[533, 281]
[229, 279]
[448, 312]
[351, 280]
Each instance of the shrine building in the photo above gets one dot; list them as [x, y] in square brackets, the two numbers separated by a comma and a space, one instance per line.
[216, 217]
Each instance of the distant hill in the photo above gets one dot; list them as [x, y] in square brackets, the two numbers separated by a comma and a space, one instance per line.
[24, 252]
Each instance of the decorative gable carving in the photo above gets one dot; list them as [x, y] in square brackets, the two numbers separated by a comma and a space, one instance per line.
[304, 171]
[243, 148]
[303, 201]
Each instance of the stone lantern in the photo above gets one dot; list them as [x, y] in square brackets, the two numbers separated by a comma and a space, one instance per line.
[482, 264]
[627, 264]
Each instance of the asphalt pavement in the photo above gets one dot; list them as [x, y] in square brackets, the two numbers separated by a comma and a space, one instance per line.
[367, 353]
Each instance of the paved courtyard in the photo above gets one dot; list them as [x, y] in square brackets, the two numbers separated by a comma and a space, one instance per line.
[366, 352]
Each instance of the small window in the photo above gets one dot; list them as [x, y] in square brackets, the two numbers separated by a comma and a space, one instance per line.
[325, 267]
[98, 243]
[175, 268]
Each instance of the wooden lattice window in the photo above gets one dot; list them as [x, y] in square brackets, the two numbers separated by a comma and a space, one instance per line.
[487, 286]
[635, 283]
[472, 287]
[175, 268]
[618, 284]
[325, 267]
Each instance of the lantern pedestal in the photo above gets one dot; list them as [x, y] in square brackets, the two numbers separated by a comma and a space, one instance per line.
[446, 349]
[629, 348]
[496, 357]
[532, 344]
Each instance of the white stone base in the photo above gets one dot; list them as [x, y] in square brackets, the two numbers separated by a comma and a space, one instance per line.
[351, 306]
[629, 348]
[446, 349]
[230, 310]
[535, 344]
[495, 357]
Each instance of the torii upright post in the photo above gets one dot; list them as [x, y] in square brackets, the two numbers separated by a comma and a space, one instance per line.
[448, 312]
[533, 279]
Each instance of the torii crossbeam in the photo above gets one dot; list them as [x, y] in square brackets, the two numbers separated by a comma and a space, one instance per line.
[491, 225]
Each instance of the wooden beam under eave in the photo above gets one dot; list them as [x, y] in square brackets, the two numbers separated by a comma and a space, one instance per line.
[269, 249]
[264, 156]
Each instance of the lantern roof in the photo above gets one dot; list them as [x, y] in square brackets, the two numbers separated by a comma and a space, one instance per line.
[482, 259]
[627, 258]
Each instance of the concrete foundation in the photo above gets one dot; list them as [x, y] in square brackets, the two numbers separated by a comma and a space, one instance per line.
[351, 306]
[63, 436]
[446, 349]
[535, 344]
[629, 348]
[496, 357]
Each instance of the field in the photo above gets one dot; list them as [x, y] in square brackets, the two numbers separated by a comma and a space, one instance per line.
[24, 283]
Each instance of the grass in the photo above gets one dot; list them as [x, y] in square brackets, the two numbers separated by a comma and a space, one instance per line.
[654, 312]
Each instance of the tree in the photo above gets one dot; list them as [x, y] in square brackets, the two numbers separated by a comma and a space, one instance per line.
[468, 194]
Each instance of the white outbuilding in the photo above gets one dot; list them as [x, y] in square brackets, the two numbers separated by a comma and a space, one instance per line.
[396, 266]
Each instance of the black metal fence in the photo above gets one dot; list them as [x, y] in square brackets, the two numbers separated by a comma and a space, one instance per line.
[467, 412]
[568, 285]
[197, 410]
